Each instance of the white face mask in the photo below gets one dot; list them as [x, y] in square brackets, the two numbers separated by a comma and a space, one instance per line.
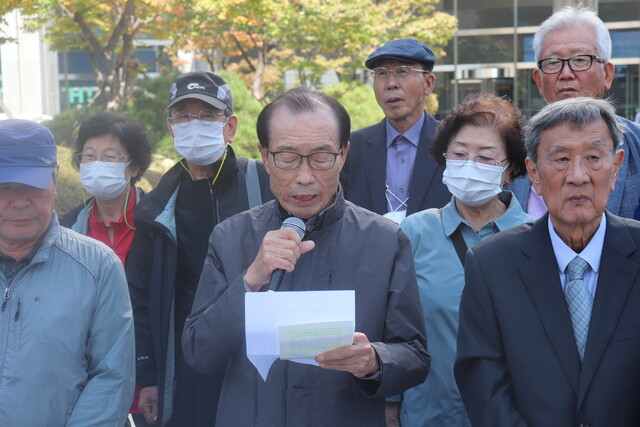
[105, 180]
[200, 144]
[473, 183]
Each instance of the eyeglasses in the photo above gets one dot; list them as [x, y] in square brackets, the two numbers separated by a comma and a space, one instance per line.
[110, 158]
[576, 63]
[289, 160]
[206, 117]
[455, 155]
[399, 72]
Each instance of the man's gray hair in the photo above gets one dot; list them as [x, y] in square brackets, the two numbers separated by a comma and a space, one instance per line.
[575, 17]
[576, 112]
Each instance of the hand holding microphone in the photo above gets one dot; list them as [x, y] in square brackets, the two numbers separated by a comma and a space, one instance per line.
[278, 253]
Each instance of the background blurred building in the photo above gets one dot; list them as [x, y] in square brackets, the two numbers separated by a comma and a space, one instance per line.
[493, 52]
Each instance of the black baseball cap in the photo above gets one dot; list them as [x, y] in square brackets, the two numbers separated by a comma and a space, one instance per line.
[205, 86]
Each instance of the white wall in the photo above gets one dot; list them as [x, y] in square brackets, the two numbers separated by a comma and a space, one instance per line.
[29, 72]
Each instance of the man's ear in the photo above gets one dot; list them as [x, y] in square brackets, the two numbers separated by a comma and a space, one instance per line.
[265, 157]
[232, 127]
[534, 177]
[538, 79]
[169, 127]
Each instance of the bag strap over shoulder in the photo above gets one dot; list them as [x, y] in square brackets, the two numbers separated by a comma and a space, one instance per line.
[252, 182]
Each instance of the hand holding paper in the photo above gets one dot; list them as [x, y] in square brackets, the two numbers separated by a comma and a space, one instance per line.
[297, 325]
[360, 359]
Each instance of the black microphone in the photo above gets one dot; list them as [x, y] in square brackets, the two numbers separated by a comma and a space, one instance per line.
[298, 226]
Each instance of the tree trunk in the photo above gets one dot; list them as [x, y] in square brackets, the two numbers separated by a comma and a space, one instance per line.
[256, 85]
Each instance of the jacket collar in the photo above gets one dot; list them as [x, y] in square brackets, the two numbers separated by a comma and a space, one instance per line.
[154, 203]
[325, 218]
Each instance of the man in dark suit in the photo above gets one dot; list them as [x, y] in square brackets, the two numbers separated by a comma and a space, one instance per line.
[550, 314]
[389, 170]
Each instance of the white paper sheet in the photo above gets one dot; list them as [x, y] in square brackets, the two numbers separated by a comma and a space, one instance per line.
[326, 319]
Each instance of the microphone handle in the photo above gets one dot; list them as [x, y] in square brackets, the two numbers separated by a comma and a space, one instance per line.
[276, 279]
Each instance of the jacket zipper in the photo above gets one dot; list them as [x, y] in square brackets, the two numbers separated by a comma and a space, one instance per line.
[5, 298]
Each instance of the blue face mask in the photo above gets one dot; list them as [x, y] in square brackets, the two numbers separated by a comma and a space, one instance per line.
[473, 183]
[200, 144]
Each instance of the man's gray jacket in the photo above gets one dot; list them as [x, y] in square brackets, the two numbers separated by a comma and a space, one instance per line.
[355, 249]
[66, 336]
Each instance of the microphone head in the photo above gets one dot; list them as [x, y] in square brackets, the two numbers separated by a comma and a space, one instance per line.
[297, 224]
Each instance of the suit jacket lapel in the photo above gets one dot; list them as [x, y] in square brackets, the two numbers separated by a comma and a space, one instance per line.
[540, 276]
[424, 168]
[616, 278]
[375, 163]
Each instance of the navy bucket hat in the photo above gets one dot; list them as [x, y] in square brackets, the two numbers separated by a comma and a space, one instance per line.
[27, 153]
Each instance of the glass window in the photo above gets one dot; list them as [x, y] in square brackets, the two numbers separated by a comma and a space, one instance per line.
[618, 10]
[533, 12]
[624, 90]
[525, 53]
[485, 49]
[473, 14]
[448, 58]
[529, 99]
[625, 43]
[443, 89]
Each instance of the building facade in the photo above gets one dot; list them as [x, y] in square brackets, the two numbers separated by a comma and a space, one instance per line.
[492, 51]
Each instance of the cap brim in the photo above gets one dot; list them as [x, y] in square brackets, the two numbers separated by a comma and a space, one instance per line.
[370, 63]
[38, 177]
[206, 98]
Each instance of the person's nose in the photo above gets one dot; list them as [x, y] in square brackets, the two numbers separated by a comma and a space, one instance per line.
[566, 73]
[578, 172]
[392, 80]
[305, 174]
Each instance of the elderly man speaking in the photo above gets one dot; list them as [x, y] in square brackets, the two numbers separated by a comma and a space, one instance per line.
[66, 328]
[550, 312]
[304, 141]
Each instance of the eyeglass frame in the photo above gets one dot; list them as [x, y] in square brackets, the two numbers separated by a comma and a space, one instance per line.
[197, 117]
[307, 156]
[393, 71]
[568, 62]
[101, 158]
[490, 161]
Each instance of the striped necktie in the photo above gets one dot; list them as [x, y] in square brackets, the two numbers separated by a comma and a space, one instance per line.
[579, 302]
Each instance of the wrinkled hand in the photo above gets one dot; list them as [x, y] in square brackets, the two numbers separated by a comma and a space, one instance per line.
[148, 404]
[360, 358]
[280, 249]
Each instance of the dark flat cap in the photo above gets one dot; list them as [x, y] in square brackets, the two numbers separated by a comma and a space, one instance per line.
[407, 50]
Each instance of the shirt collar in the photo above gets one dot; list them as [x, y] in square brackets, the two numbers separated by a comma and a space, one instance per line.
[413, 134]
[591, 253]
[514, 215]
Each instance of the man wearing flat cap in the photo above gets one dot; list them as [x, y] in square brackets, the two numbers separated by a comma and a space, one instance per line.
[66, 327]
[173, 222]
[389, 170]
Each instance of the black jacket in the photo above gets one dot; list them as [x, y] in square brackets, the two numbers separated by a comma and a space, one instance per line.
[152, 263]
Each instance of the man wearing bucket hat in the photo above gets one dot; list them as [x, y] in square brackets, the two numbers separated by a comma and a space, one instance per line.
[173, 222]
[389, 170]
[66, 327]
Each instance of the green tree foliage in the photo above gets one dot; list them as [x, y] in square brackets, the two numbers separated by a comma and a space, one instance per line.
[262, 39]
[109, 32]
[359, 101]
